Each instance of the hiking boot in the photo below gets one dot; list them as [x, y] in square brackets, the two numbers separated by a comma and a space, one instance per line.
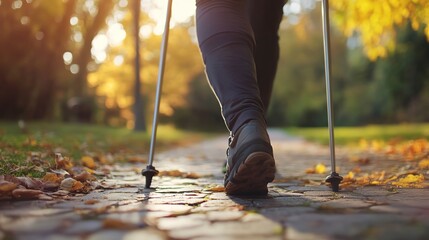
[250, 162]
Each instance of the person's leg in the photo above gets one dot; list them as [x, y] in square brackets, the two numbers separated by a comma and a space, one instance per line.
[227, 45]
[265, 17]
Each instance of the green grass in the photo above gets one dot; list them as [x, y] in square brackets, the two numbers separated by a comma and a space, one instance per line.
[352, 135]
[77, 140]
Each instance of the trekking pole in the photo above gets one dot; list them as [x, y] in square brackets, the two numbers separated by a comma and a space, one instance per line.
[334, 178]
[150, 170]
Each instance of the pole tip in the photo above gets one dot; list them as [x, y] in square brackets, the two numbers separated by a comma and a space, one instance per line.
[149, 172]
[334, 179]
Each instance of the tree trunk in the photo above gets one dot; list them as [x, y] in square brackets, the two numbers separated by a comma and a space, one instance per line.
[139, 116]
[84, 57]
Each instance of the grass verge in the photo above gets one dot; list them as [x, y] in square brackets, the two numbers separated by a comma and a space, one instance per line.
[352, 135]
[77, 140]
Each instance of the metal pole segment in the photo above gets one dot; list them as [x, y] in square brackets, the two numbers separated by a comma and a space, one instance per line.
[327, 49]
[161, 65]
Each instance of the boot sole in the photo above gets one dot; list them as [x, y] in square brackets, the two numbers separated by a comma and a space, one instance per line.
[253, 175]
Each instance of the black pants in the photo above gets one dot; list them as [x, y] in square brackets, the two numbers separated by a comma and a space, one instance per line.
[238, 40]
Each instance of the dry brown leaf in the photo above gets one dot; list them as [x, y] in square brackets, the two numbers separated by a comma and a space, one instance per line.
[91, 201]
[51, 178]
[111, 223]
[84, 176]
[6, 187]
[77, 186]
[62, 162]
[217, 188]
[26, 194]
[67, 184]
[88, 162]
[192, 175]
[136, 159]
[177, 173]
[30, 183]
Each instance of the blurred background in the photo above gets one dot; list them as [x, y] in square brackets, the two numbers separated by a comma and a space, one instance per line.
[75, 61]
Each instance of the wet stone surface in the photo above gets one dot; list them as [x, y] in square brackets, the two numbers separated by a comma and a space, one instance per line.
[180, 208]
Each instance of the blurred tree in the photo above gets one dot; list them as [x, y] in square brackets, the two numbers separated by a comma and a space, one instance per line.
[299, 91]
[377, 21]
[33, 40]
[114, 80]
[37, 38]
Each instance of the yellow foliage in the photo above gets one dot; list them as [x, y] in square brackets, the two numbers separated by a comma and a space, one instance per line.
[424, 164]
[411, 180]
[375, 21]
[320, 168]
[88, 162]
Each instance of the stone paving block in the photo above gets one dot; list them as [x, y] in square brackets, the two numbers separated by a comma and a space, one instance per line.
[344, 204]
[281, 202]
[256, 229]
[216, 216]
[182, 222]
[143, 234]
[281, 214]
[79, 204]
[132, 207]
[6, 205]
[131, 218]
[48, 236]
[177, 200]
[107, 235]
[399, 209]
[371, 191]
[31, 212]
[340, 226]
[308, 188]
[82, 227]
[34, 225]
[172, 209]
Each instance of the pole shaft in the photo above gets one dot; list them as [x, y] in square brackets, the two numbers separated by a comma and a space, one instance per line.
[327, 50]
[161, 66]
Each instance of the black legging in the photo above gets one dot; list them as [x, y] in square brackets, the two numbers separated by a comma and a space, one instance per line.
[238, 40]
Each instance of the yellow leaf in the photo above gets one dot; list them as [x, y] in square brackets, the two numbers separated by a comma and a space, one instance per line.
[410, 180]
[51, 177]
[424, 164]
[88, 162]
[6, 186]
[320, 168]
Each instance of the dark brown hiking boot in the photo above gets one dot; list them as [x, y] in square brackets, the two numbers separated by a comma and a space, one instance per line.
[250, 164]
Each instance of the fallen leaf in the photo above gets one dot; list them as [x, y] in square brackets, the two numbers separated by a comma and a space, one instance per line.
[6, 187]
[117, 224]
[411, 180]
[217, 188]
[62, 162]
[71, 185]
[88, 162]
[136, 159]
[30, 183]
[91, 201]
[320, 168]
[51, 178]
[77, 186]
[424, 164]
[177, 173]
[84, 176]
[63, 173]
[26, 194]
